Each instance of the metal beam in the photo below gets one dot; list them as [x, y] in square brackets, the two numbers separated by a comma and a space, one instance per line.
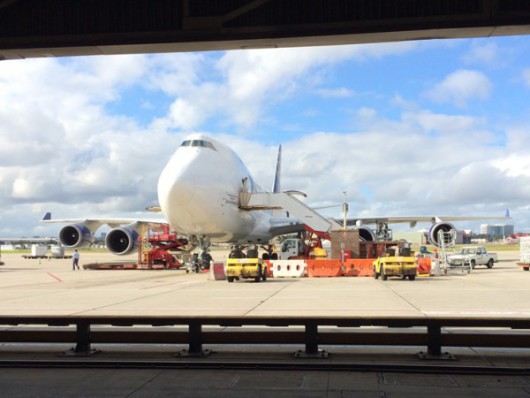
[34, 28]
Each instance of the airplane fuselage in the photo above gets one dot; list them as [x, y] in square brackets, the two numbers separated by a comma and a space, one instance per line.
[199, 190]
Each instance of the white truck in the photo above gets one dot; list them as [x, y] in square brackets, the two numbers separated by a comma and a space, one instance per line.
[473, 255]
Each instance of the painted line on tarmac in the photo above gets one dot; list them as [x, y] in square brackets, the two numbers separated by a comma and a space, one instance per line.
[55, 277]
[169, 284]
[478, 312]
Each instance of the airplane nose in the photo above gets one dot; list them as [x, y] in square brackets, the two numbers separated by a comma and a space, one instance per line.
[176, 186]
[183, 190]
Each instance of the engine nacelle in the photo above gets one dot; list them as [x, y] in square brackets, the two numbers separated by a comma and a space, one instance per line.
[365, 234]
[75, 235]
[121, 241]
[449, 235]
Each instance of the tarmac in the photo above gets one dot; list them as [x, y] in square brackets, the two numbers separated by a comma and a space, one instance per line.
[50, 287]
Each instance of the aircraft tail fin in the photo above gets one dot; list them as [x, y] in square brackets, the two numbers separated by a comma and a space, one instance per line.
[47, 216]
[277, 178]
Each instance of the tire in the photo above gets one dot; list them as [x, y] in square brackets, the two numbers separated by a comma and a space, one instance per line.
[264, 274]
[473, 264]
[490, 263]
[376, 275]
[230, 279]
[412, 277]
[383, 275]
[526, 268]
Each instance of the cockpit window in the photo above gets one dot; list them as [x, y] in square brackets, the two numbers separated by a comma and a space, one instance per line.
[198, 143]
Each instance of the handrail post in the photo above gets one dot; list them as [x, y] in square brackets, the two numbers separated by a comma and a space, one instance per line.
[311, 343]
[83, 337]
[434, 344]
[434, 340]
[194, 341]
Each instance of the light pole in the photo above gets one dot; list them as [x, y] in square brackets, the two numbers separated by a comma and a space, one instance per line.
[344, 209]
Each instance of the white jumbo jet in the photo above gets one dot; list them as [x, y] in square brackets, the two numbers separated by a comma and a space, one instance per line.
[206, 193]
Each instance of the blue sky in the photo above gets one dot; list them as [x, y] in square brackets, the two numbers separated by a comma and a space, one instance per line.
[435, 127]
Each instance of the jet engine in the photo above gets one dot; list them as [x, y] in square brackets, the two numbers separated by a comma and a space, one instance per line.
[448, 236]
[366, 234]
[121, 241]
[75, 235]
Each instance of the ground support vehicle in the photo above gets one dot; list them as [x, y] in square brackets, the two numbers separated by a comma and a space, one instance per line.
[400, 266]
[308, 247]
[38, 252]
[472, 255]
[154, 249]
[524, 253]
[526, 266]
[26, 256]
[237, 268]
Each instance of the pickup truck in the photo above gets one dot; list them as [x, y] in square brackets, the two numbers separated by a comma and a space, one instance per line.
[473, 255]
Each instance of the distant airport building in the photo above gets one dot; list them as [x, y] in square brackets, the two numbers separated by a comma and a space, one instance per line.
[496, 230]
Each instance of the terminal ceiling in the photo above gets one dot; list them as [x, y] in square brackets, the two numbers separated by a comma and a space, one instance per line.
[36, 28]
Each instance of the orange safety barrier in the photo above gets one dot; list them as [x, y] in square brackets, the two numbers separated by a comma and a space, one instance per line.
[324, 268]
[359, 267]
[269, 268]
[424, 266]
[219, 271]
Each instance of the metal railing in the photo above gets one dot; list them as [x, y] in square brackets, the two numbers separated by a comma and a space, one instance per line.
[311, 332]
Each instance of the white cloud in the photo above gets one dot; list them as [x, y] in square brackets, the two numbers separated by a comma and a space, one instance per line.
[244, 84]
[526, 76]
[482, 53]
[340, 92]
[61, 150]
[460, 87]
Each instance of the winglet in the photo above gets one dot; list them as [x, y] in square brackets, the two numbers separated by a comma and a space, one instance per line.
[47, 216]
[507, 214]
[277, 177]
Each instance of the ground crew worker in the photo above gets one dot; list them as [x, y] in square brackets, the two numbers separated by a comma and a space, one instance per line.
[75, 262]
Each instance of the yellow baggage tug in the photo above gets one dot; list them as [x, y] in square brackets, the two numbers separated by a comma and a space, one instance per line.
[237, 268]
[400, 266]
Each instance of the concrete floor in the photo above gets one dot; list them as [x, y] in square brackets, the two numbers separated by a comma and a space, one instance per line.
[30, 287]
[50, 287]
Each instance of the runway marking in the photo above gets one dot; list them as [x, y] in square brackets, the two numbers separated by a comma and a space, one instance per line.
[475, 312]
[55, 277]
[168, 284]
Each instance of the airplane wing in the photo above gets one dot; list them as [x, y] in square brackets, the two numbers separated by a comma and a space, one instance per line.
[120, 240]
[440, 232]
[94, 223]
[29, 240]
[413, 220]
